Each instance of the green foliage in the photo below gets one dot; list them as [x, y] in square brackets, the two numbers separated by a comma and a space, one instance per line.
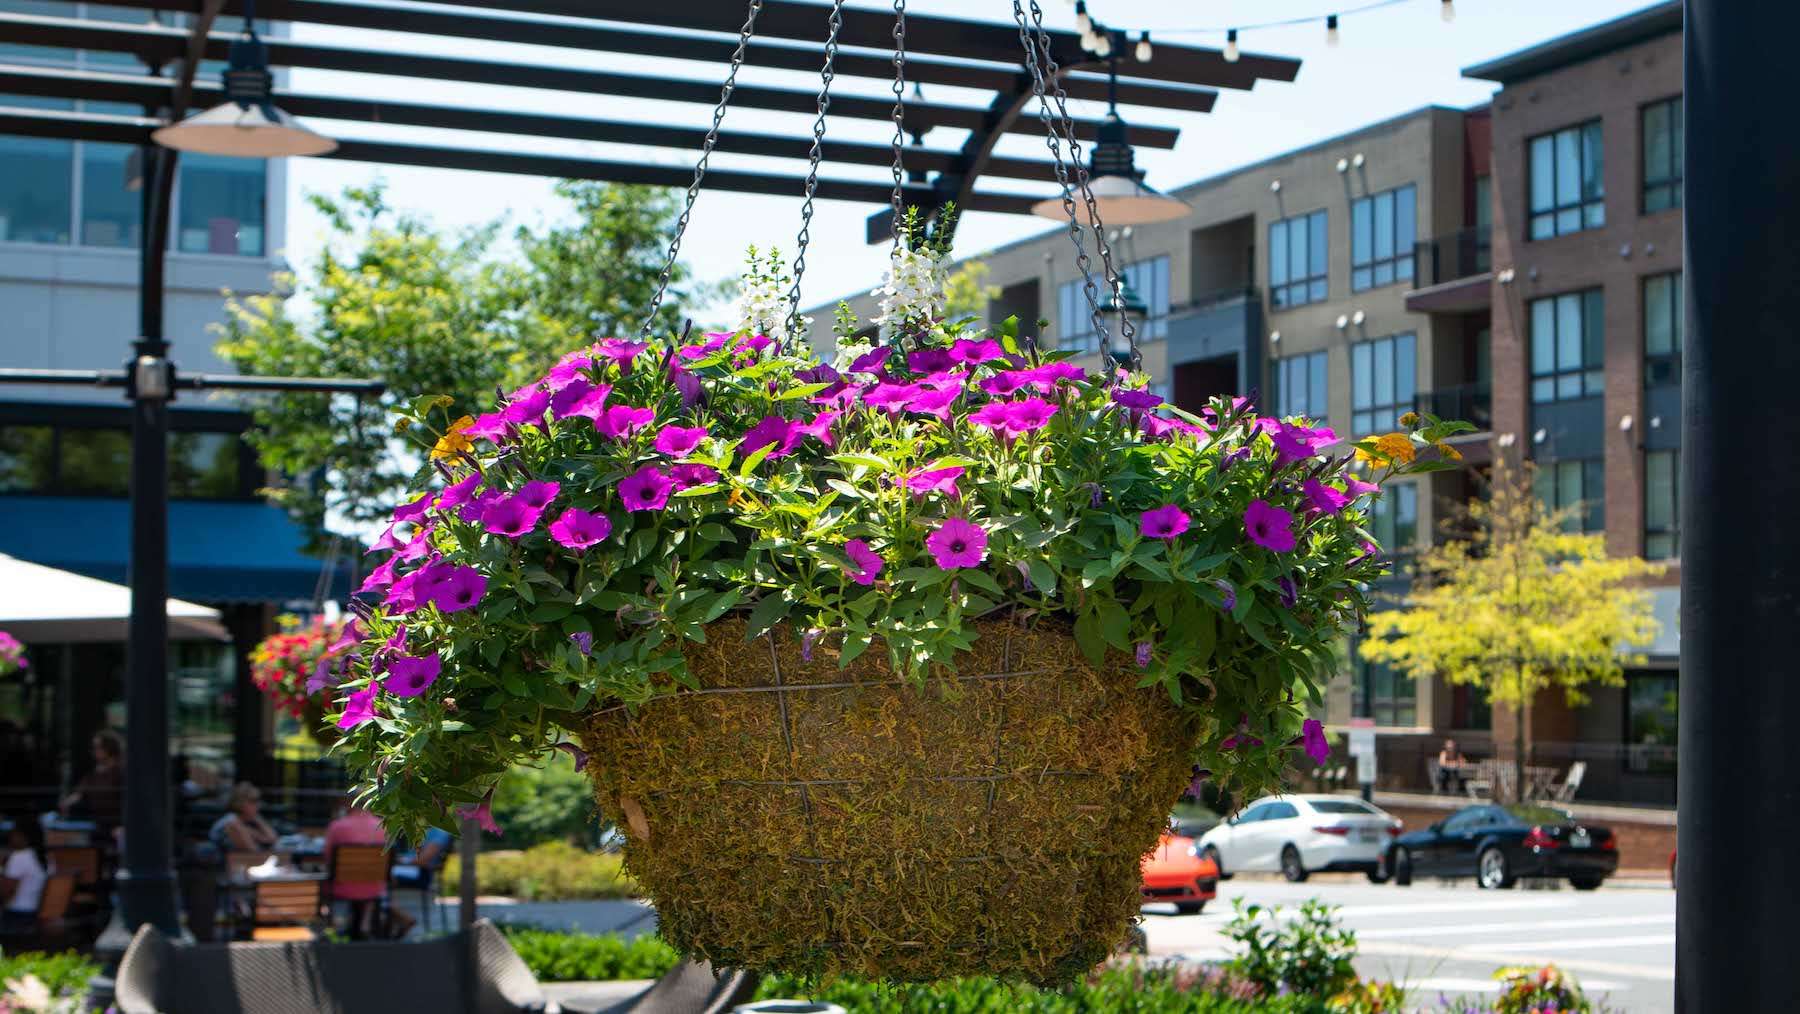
[547, 801]
[771, 529]
[967, 292]
[553, 871]
[66, 974]
[557, 956]
[1310, 956]
[391, 298]
[1128, 989]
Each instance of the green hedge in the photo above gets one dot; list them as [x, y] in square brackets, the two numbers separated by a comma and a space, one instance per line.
[66, 973]
[553, 871]
[556, 956]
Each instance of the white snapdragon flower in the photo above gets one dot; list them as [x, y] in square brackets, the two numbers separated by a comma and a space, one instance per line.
[913, 289]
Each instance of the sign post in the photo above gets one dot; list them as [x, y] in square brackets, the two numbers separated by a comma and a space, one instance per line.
[1362, 747]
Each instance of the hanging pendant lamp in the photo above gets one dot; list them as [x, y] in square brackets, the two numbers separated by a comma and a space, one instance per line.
[1117, 184]
[247, 124]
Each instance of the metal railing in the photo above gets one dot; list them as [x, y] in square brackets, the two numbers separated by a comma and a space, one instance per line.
[1621, 773]
[1454, 255]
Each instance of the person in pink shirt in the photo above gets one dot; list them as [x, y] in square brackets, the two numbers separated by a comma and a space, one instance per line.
[357, 826]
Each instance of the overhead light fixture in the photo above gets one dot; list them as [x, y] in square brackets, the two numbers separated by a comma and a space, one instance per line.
[1083, 23]
[247, 124]
[1144, 49]
[1331, 31]
[1231, 47]
[1114, 179]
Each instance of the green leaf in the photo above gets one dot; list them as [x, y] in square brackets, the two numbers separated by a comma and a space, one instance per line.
[980, 579]
[770, 610]
[874, 461]
[756, 459]
[1115, 624]
[1090, 639]
[1042, 576]
[718, 606]
[550, 612]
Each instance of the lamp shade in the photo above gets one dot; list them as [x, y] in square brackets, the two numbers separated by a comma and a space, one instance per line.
[1122, 201]
[257, 131]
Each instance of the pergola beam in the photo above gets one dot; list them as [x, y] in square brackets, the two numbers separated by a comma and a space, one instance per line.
[566, 34]
[152, 93]
[156, 44]
[66, 125]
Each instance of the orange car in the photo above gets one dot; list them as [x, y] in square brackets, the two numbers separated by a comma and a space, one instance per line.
[1174, 871]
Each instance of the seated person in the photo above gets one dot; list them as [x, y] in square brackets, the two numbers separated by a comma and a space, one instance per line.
[415, 868]
[22, 879]
[358, 827]
[242, 828]
[1450, 764]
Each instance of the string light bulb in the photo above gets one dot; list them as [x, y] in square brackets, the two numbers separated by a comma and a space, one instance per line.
[1090, 42]
[1144, 50]
[1083, 23]
[1103, 45]
[1447, 10]
[1331, 31]
[1231, 47]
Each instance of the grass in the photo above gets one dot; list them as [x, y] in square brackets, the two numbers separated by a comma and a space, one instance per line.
[553, 871]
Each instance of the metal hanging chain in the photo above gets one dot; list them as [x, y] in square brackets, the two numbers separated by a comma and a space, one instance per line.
[1054, 79]
[899, 114]
[706, 150]
[826, 76]
[1051, 141]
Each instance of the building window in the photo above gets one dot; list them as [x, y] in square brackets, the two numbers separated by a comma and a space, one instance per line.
[1383, 229]
[1149, 278]
[37, 190]
[1663, 139]
[222, 205]
[1297, 257]
[1567, 336]
[1385, 694]
[1383, 378]
[110, 214]
[1300, 386]
[1576, 490]
[76, 460]
[1394, 518]
[1662, 505]
[1651, 721]
[1568, 190]
[1469, 708]
[27, 458]
[1663, 320]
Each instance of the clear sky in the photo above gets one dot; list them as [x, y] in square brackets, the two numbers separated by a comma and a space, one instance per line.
[1390, 60]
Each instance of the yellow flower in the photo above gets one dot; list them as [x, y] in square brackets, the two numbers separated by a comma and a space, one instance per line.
[453, 443]
[1395, 447]
[1410, 420]
[1449, 452]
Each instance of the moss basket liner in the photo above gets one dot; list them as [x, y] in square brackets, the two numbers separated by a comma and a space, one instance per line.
[816, 820]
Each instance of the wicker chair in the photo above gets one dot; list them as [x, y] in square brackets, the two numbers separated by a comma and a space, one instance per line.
[692, 987]
[475, 972]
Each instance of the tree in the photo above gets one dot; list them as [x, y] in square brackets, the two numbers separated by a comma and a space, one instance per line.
[1516, 604]
[430, 311]
[966, 292]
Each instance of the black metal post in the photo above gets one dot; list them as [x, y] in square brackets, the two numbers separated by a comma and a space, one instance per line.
[1740, 802]
[146, 879]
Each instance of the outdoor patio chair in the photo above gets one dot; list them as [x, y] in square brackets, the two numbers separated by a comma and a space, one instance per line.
[285, 910]
[51, 930]
[360, 866]
[1571, 783]
[692, 987]
[476, 972]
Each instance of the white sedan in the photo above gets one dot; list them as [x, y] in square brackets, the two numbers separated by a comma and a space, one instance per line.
[1302, 835]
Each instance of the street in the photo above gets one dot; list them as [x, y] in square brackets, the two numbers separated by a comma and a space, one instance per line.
[1435, 939]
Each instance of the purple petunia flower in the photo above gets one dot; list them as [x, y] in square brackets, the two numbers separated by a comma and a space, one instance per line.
[584, 642]
[1269, 526]
[715, 340]
[458, 493]
[527, 407]
[1356, 487]
[943, 379]
[935, 403]
[455, 588]
[807, 640]
[679, 440]
[994, 416]
[567, 371]
[1138, 401]
[688, 476]
[820, 427]
[321, 675]
[580, 755]
[579, 529]
[622, 421]
[1228, 593]
[412, 510]
[1028, 415]
[1290, 593]
[1325, 499]
[873, 361]
[482, 815]
[579, 400]
[1143, 655]
[410, 675]
[1165, 522]
[620, 352]
[957, 542]
[868, 563]
[1312, 731]
[389, 539]
[1002, 384]
[771, 429]
[890, 398]
[351, 636]
[928, 360]
[646, 489]
[478, 505]
[403, 596]
[942, 480]
[1047, 376]
[489, 426]
[380, 577]
[1294, 442]
[510, 516]
[419, 546]
[359, 707]
[538, 493]
[963, 350]
[687, 384]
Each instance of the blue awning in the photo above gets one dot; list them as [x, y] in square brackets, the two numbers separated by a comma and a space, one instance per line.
[219, 551]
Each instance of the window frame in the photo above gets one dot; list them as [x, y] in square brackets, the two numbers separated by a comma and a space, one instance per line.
[1664, 368]
[1669, 184]
[1589, 374]
[1394, 511]
[1367, 404]
[1366, 269]
[1590, 517]
[1387, 711]
[1317, 368]
[1588, 210]
[1071, 301]
[1671, 531]
[1287, 292]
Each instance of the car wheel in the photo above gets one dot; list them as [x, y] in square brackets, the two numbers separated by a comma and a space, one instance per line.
[1189, 907]
[1379, 875]
[1291, 866]
[1212, 853]
[1586, 883]
[1492, 871]
[1400, 861]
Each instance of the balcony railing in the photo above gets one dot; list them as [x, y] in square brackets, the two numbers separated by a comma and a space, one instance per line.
[1456, 255]
[1471, 403]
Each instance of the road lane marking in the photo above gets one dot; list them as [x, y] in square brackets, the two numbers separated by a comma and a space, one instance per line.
[1596, 944]
[1563, 926]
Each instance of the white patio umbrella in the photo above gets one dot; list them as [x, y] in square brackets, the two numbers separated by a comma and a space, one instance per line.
[47, 605]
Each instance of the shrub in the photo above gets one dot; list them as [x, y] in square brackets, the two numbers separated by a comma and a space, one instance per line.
[1309, 956]
[551, 802]
[1130, 989]
[65, 977]
[555, 956]
[552, 871]
[1527, 990]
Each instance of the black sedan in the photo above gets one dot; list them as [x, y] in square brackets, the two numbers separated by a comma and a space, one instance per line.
[1497, 845]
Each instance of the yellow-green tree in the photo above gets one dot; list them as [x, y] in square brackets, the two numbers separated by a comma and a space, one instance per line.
[966, 292]
[1515, 603]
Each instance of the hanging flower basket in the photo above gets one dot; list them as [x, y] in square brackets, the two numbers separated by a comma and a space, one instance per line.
[892, 665]
[12, 655]
[296, 667]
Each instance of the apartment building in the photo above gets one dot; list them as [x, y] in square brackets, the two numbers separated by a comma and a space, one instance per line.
[1516, 265]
